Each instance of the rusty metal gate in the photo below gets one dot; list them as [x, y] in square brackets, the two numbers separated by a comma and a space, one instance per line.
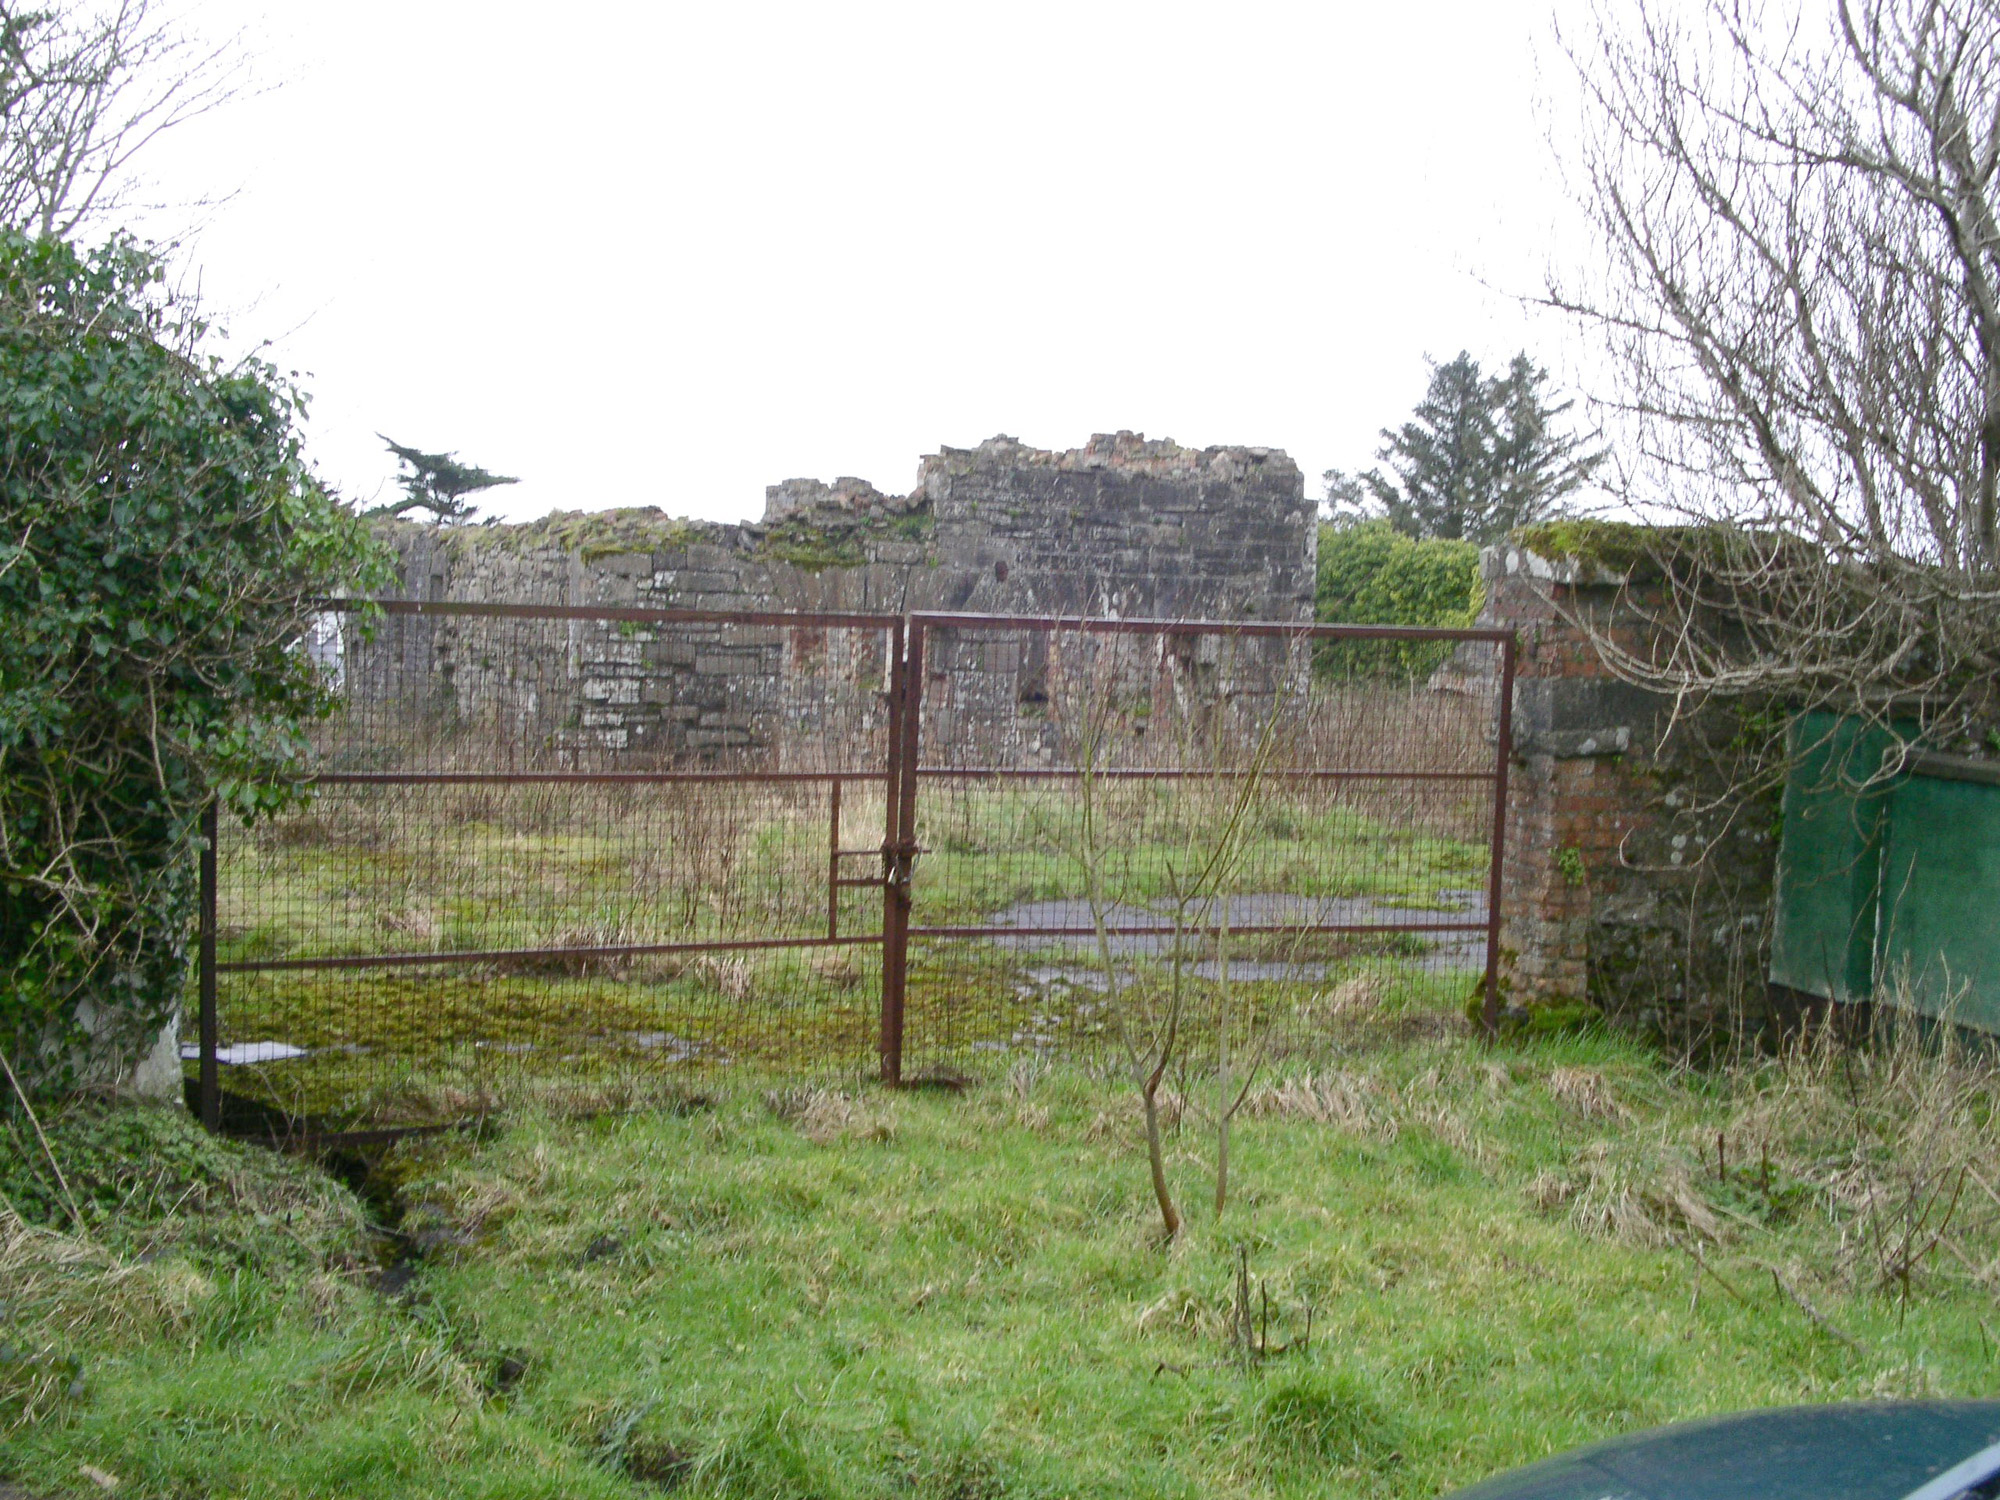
[1339, 833]
[556, 850]
[578, 851]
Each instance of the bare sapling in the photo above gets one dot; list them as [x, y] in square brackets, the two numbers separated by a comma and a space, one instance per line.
[1234, 1077]
[1193, 879]
[1086, 703]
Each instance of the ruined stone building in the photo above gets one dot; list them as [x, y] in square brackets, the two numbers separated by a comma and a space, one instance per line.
[1122, 527]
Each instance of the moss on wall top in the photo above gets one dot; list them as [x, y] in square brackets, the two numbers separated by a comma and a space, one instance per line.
[1638, 553]
[818, 542]
[1623, 548]
[602, 533]
[813, 542]
[590, 533]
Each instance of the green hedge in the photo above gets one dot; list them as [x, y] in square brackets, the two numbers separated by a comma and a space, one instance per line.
[1372, 574]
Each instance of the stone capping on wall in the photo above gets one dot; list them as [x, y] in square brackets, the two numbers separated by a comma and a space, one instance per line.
[1508, 561]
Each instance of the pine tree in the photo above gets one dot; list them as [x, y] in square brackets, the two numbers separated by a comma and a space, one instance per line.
[1480, 456]
[438, 483]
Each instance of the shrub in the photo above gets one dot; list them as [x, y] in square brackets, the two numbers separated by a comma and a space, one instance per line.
[162, 541]
[1372, 574]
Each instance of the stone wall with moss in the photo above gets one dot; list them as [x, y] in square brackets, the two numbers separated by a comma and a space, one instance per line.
[1122, 526]
[1640, 850]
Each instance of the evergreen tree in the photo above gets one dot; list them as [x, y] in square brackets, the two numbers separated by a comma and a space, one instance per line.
[438, 483]
[1480, 456]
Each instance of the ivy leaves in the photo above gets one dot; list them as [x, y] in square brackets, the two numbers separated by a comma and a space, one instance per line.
[162, 542]
[1372, 574]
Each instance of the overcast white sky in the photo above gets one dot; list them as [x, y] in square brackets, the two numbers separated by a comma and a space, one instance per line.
[668, 254]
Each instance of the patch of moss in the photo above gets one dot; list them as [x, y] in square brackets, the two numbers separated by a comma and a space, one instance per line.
[407, 1048]
[1637, 553]
[812, 548]
[599, 533]
[815, 544]
[1540, 1017]
[1620, 547]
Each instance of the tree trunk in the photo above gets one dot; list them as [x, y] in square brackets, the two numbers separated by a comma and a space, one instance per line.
[1170, 1217]
[1222, 1166]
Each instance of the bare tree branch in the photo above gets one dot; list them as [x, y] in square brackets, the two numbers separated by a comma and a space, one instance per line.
[1801, 298]
[84, 89]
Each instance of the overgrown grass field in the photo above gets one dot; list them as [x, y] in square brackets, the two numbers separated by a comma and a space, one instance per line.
[484, 868]
[770, 1291]
[435, 869]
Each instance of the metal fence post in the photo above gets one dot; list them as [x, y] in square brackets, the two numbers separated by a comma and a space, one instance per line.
[210, 1086]
[899, 838]
[1503, 755]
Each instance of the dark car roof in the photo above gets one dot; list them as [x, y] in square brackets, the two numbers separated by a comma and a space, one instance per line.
[1877, 1451]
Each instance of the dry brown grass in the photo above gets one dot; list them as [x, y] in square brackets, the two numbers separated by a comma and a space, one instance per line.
[1356, 997]
[835, 967]
[729, 974]
[416, 925]
[1886, 1150]
[823, 1115]
[1587, 1092]
[1894, 1142]
[1640, 1192]
[1361, 724]
[1350, 1100]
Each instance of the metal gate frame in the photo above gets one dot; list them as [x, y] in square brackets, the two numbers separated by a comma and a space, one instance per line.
[902, 774]
[895, 902]
[906, 721]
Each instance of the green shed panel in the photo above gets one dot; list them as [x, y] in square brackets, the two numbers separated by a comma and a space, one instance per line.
[1829, 858]
[1940, 936]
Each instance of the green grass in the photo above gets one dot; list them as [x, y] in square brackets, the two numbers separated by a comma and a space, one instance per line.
[481, 869]
[823, 1292]
[478, 869]
[991, 849]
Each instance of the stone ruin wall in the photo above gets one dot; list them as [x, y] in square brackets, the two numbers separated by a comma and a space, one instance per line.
[1122, 526]
[1629, 883]
[1636, 878]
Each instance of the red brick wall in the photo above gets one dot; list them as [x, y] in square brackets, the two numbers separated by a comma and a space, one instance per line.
[1628, 880]
[1555, 803]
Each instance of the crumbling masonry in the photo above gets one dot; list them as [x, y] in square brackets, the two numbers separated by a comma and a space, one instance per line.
[1122, 526]
[1637, 878]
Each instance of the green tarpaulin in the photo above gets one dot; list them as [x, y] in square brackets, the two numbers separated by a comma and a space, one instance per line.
[1888, 873]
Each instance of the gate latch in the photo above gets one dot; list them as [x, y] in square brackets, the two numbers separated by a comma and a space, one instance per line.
[899, 862]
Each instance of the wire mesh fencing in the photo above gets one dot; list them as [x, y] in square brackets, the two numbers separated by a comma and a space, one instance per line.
[559, 851]
[579, 853]
[1229, 833]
